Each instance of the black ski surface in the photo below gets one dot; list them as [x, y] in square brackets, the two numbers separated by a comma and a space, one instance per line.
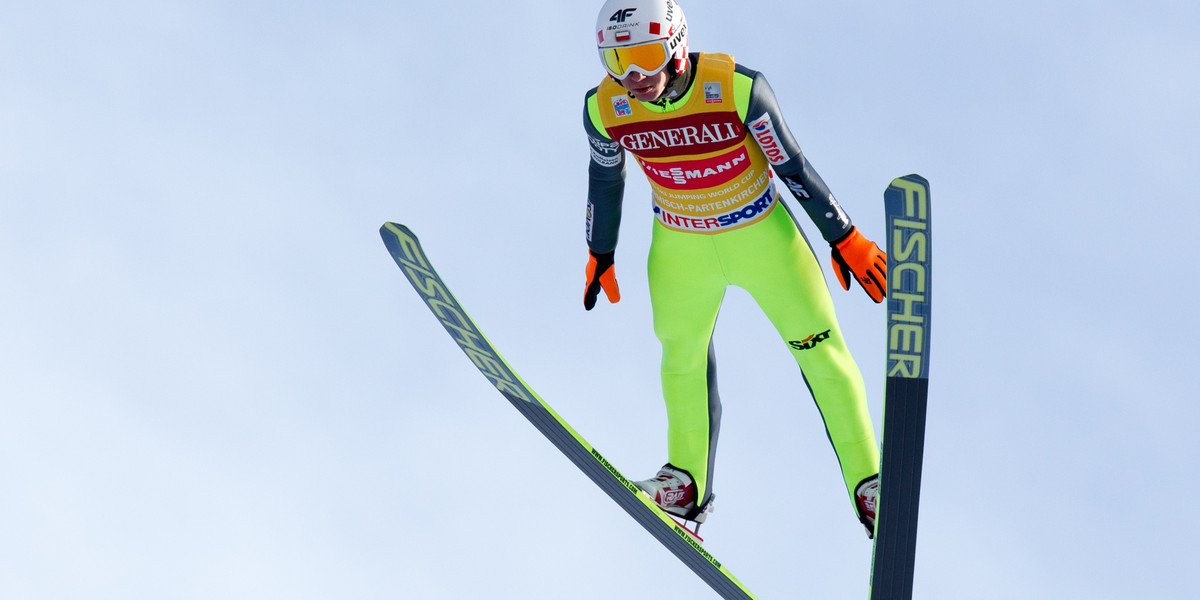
[909, 278]
[409, 256]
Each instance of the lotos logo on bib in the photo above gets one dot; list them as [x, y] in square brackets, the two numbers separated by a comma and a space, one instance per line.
[764, 131]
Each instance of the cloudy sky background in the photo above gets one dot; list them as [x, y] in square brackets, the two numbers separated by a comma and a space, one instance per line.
[214, 382]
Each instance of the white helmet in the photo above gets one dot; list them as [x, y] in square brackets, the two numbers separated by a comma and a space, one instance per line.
[643, 36]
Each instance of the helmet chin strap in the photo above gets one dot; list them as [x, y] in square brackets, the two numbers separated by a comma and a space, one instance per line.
[677, 85]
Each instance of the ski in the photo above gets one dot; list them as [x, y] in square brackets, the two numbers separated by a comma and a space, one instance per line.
[409, 256]
[909, 275]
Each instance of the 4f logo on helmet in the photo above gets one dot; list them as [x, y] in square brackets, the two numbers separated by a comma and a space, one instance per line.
[621, 15]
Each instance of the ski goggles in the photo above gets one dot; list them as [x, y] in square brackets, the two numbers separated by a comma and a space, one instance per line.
[647, 59]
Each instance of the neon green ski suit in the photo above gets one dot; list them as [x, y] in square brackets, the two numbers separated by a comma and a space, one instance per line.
[708, 155]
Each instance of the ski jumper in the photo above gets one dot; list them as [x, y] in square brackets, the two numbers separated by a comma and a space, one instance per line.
[719, 221]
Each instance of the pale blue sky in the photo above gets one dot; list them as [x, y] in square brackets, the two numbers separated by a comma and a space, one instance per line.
[215, 383]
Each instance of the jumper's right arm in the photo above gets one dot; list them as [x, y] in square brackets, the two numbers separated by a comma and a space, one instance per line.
[606, 181]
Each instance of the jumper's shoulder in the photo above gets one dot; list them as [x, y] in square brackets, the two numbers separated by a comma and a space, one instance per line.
[591, 115]
[744, 71]
[746, 88]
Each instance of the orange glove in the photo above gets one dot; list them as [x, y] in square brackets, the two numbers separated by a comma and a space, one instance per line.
[855, 254]
[600, 274]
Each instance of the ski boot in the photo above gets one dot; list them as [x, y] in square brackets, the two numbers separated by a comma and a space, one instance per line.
[866, 497]
[674, 491]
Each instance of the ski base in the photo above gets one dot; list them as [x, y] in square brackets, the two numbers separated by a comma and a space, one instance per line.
[909, 278]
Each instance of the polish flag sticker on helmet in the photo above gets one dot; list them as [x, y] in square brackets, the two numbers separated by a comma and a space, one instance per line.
[764, 132]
